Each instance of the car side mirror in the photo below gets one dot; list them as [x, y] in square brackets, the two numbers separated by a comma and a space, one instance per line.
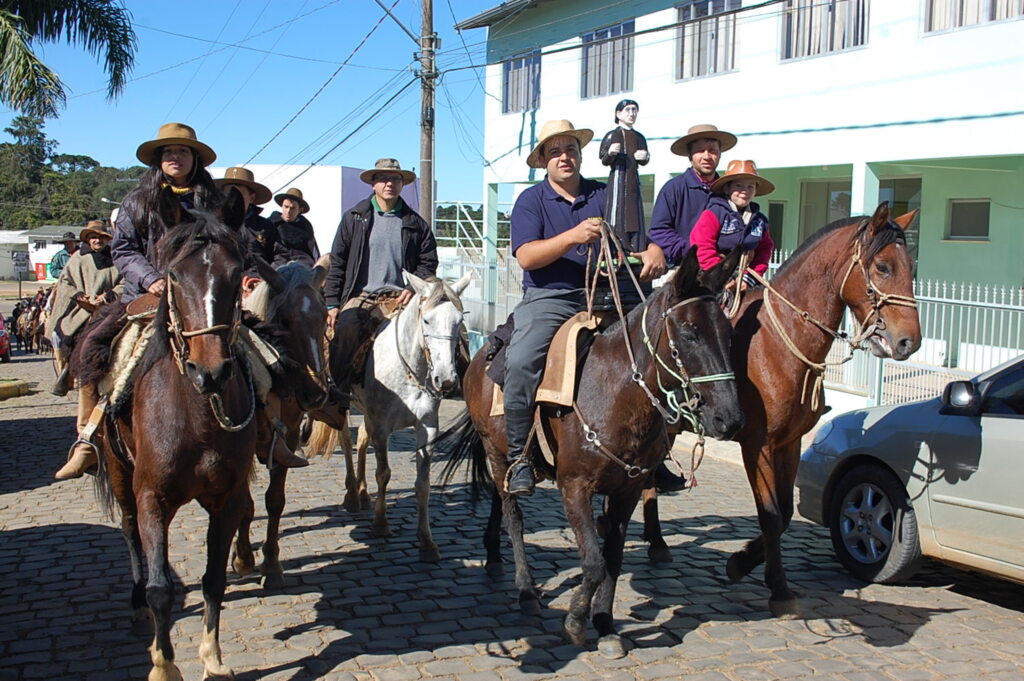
[962, 398]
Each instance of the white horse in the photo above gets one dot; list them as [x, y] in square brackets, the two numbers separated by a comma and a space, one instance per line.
[410, 368]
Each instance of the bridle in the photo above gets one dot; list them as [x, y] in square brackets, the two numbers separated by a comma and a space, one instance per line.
[431, 388]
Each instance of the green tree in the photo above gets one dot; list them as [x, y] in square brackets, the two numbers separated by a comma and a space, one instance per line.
[102, 27]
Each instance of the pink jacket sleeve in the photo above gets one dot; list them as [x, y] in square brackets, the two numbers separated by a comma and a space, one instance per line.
[705, 237]
[763, 253]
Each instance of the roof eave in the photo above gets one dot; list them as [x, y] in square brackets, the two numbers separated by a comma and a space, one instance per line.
[494, 15]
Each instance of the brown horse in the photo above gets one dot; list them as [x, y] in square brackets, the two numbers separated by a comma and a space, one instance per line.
[615, 435]
[779, 350]
[187, 432]
[290, 302]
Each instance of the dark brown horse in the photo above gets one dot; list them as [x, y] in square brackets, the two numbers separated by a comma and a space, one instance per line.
[617, 436]
[290, 302]
[187, 432]
[778, 354]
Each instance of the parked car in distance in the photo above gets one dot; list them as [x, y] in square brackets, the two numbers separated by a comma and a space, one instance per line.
[942, 478]
[5, 342]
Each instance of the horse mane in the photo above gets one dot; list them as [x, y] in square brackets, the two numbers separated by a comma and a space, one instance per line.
[889, 234]
[441, 291]
[187, 238]
[264, 300]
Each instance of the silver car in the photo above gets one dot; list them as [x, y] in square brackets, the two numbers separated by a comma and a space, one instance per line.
[942, 478]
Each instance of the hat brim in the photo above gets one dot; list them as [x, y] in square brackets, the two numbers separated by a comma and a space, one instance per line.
[146, 150]
[583, 136]
[726, 141]
[764, 187]
[89, 231]
[367, 175]
[303, 206]
[262, 192]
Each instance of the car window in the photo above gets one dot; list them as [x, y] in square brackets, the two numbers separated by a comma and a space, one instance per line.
[1005, 394]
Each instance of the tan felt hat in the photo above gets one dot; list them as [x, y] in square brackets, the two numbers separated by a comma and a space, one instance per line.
[244, 177]
[743, 170]
[387, 165]
[175, 133]
[296, 194]
[726, 140]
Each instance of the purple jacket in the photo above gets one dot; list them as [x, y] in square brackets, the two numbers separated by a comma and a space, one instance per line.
[132, 253]
[680, 202]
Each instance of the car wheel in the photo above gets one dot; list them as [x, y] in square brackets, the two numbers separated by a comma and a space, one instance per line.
[6, 357]
[874, 529]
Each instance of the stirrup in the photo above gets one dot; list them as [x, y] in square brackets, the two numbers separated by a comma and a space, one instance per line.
[91, 470]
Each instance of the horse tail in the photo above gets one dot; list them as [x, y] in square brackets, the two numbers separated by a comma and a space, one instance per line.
[323, 439]
[102, 487]
[464, 444]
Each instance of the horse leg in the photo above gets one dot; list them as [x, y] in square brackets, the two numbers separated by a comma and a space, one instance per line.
[425, 433]
[492, 538]
[380, 526]
[273, 573]
[351, 501]
[223, 525]
[362, 444]
[121, 486]
[243, 561]
[154, 520]
[617, 512]
[658, 551]
[578, 510]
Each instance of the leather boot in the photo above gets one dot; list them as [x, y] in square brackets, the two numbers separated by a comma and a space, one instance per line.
[83, 455]
[279, 449]
[62, 384]
[521, 481]
[667, 481]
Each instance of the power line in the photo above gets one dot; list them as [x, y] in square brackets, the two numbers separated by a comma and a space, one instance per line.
[322, 87]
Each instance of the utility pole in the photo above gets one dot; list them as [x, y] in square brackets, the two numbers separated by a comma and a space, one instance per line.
[428, 45]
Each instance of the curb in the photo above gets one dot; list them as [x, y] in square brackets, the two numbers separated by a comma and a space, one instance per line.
[12, 388]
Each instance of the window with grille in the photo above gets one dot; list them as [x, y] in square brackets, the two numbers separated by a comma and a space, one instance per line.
[946, 15]
[521, 83]
[968, 219]
[707, 42]
[811, 27]
[606, 65]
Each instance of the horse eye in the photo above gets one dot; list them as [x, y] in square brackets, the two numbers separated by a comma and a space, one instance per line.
[882, 268]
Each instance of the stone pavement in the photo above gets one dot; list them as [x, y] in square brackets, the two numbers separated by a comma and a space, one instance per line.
[359, 607]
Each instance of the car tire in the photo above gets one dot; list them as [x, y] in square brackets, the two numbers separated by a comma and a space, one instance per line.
[873, 526]
[6, 357]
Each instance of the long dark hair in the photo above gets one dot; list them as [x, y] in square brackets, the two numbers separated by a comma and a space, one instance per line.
[143, 202]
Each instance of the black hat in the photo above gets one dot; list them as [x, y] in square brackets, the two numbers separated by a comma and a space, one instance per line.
[69, 236]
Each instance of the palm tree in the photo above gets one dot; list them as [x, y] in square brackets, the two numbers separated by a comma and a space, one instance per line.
[102, 27]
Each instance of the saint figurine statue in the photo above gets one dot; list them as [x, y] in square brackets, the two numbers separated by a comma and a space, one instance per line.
[622, 149]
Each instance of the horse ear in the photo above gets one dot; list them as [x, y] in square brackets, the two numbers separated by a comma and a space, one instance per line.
[171, 210]
[268, 274]
[323, 265]
[418, 285]
[879, 220]
[232, 211]
[904, 220]
[717, 277]
[462, 283]
[685, 279]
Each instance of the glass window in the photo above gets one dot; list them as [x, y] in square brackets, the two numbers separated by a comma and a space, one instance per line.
[811, 27]
[946, 15]
[822, 203]
[968, 219]
[521, 83]
[607, 61]
[776, 217]
[1005, 394]
[904, 195]
[707, 42]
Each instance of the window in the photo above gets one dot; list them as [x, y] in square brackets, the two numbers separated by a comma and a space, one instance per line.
[707, 44]
[968, 219]
[904, 195]
[822, 203]
[521, 83]
[811, 27]
[607, 65]
[776, 217]
[945, 15]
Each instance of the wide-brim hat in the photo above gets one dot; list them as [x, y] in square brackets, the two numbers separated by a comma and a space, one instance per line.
[743, 170]
[68, 236]
[244, 177]
[95, 227]
[681, 147]
[386, 165]
[557, 128]
[295, 194]
[175, 133]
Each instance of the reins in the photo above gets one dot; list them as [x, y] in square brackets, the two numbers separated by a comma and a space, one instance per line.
[431, 389]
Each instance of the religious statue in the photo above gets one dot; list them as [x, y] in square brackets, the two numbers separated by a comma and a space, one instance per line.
[623, 148]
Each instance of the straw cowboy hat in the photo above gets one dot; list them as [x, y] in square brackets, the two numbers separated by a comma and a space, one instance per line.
[681, 147]
[244, 177]
[386, 165]
[554, 129]
[175, 133]
[95, 228]
[294, 194]
[743, 170]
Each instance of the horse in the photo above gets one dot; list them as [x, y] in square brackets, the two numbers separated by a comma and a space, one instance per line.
[291, 301]
[29, 328]
[187, 432]
[410, 368]
[781, 337]
[614, 435]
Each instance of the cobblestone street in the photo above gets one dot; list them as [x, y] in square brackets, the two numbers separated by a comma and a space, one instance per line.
[359, 607]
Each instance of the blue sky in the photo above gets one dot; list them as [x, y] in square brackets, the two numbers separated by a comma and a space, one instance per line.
[238, 99]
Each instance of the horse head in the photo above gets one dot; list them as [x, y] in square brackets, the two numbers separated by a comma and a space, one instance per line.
[202, 257]
[292, 297]
[440, 314]
[879, 286]
[696, 339]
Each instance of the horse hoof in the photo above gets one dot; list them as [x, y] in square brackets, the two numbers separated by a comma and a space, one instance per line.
[659, 554]
[785, 608]
[219, 673]
[243, 568]
[351, 504]
[734, 568]
[611, 646]
[529, 605]
[575, 630]
[364, 501]
[495, 569]
[430, 555]
[380, 530]
[167, 672]
[273, 582]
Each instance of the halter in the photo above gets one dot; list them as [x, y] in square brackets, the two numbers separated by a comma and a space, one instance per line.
[432, 389]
